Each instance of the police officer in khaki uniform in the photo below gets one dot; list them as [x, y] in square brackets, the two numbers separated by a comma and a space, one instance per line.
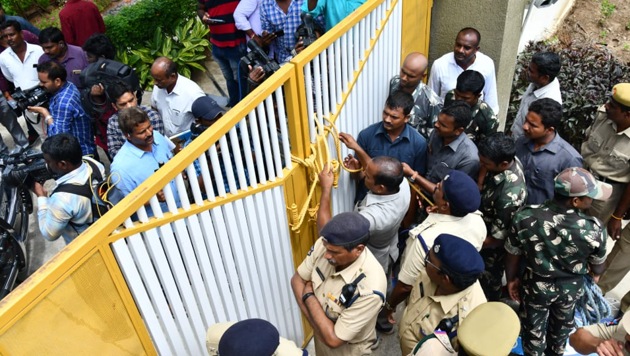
[489, 330]
[607, 154]
[340, 287]
[604, 338]
[249, 337]
[444, 293]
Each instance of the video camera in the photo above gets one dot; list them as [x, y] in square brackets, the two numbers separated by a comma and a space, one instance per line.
[106, 72]
[25, 168]
[258, 58]
[306, 30]
[36, 96]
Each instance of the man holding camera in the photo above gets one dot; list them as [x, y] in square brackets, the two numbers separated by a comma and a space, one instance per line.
[18, 66]
[65, 214]
[65, 113]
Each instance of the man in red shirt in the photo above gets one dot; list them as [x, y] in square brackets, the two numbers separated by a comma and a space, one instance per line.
[228, 44]
[80, 19]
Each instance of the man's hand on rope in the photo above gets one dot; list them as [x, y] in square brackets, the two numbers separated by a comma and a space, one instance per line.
[351, 163]
[349, 141]
[326, 177]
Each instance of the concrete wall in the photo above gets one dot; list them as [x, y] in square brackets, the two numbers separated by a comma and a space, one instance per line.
[498, 21]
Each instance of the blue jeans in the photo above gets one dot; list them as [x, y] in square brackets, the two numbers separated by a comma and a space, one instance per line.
[228, 59]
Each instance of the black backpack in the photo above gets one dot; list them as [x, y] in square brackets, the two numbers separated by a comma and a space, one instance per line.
[96, 188]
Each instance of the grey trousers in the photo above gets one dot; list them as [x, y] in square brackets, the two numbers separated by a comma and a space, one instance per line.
[8, 119]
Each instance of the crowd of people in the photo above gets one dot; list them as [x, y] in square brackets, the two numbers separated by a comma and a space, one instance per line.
[447, 207]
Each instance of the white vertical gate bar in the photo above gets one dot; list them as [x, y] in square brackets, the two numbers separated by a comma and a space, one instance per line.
[273, 133]
[253, 123]
[339, 77]
[236, 144]
[282, 118]
[264, 135]
[247, 152]
[226, 296]
[227, 173]
[323, 60]
[242, 245]
[310, 106]
[196, 340]
[333, 82]
[207, 180]
[154, 324]
[229, 263]
[318, 88]
[263, 262]
[282, 243]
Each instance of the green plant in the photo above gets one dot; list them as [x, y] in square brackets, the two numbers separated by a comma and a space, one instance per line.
[186, 48]
[134, 25]
[626, 47]
[49, 20]
[628, 26]
[102, 4]
[588, 73]
[607, 8]
[603, 34]
[21, 6]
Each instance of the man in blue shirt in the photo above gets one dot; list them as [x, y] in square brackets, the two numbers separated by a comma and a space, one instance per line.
[542, 151]
[144, 153]
[333, 10]
[66, 113]
[391, 137]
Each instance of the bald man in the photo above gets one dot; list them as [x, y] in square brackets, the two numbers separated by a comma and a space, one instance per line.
[173, 95]
[427, 104]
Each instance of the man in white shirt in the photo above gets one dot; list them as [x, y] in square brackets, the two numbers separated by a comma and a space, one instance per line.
[18, 64]
[173, 95]
[465, 55]
[541, 72]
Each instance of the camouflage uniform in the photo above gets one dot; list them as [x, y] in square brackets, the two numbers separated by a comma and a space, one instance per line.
[557, 244]
[484, 122]
[501, 195]
[427, 106]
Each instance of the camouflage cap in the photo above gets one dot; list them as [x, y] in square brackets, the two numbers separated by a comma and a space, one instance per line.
[491, 329]
[621, 93]
[578, 182]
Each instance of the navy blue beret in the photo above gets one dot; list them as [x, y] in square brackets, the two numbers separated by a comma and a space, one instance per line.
[461, 192]
[255, 337]
[346, 228]
[458, 255]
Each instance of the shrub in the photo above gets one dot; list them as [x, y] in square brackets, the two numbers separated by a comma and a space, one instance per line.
[587, 76]
[186, 48]
[135, 24]
[49, 20]
[19, 7]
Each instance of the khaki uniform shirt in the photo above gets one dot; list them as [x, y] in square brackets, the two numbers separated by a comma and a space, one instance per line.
[470, 228]
[434, 347]
[425, 310]
[605, 332]
[355, 324]
[607, 152]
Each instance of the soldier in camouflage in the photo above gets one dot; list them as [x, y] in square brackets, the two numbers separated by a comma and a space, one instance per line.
[559, 244]
[503, 192]
[469, 87]
[427, 104]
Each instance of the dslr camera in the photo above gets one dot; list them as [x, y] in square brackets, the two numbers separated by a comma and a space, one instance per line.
[258, 58]
[306, 30]
[25, 168]
[36, 96]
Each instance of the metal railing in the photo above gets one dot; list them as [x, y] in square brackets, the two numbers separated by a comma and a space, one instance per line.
[228, 248]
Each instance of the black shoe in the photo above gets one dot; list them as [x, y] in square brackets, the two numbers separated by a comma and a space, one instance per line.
[387, 330]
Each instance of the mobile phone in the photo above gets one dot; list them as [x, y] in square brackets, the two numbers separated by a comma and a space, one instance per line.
[279, 33]
[215, 21]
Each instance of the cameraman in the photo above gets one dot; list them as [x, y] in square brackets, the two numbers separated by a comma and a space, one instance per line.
[64, 214]
[66, 113]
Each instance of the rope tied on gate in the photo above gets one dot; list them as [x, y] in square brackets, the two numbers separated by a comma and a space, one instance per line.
[314, 164]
